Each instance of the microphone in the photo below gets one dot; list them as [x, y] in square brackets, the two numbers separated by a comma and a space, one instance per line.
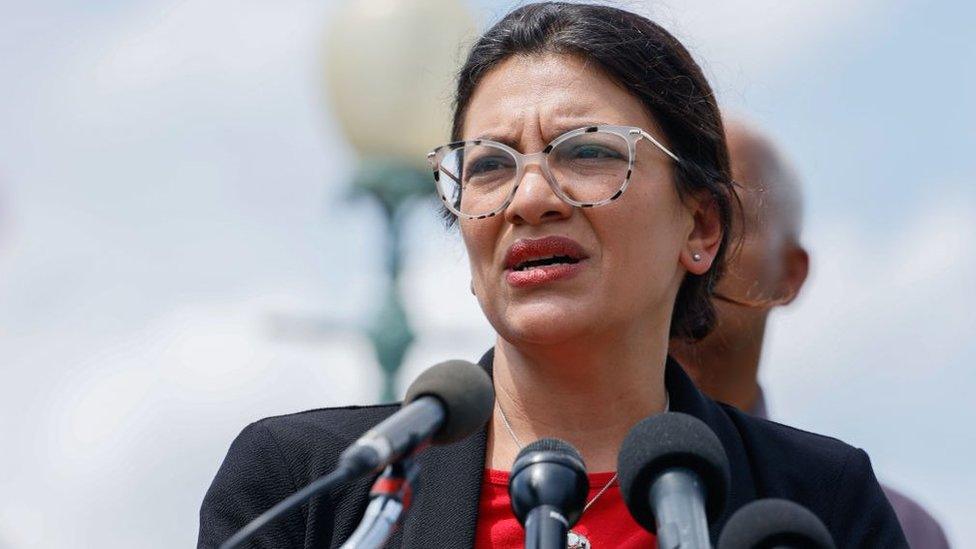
[548, 487]
[775, 523]
[446, 403]
[674, 476]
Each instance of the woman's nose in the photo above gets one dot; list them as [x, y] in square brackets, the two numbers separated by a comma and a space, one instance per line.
[535, 202]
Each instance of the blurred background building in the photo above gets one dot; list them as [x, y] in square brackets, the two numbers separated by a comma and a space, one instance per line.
[182, 250]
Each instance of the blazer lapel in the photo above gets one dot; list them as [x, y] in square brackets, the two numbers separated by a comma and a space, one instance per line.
[444, 511]
[686, 398]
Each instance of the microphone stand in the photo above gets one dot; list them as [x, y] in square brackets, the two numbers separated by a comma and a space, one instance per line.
[389, 498]
[679, 499]
[541, 533]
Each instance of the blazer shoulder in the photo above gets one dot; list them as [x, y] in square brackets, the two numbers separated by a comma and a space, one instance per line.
[313, 439]
[343, 422]
[272, 458]
[772, 437]
[827, 475]
[786, 460]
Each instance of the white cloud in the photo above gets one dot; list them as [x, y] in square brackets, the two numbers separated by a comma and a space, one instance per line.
[878, 351]
[745, 30]
[742, 44]
[161, 44]
[189, 157]
[737, 41]
[874, 298]
[143, 423]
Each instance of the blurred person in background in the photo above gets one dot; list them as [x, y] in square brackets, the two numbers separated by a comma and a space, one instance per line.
[767, 270]
[589, 177]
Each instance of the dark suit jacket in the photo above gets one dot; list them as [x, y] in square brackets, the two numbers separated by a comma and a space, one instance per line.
[274, 457]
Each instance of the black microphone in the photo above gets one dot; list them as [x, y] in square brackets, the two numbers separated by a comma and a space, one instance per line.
[446, 403]
[775, 523]
[674, 476]
[548, 487]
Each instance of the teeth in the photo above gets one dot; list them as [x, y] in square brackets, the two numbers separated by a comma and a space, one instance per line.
[544, 261]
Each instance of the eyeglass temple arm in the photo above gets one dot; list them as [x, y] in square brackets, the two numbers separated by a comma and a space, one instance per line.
[449, 174]
[658, 144]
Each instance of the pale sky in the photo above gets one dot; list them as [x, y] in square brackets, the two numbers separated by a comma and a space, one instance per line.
[171, 181]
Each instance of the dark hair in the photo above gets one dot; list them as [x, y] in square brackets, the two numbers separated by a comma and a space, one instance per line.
[650, 63]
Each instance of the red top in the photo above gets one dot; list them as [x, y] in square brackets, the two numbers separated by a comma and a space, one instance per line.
[607, 523]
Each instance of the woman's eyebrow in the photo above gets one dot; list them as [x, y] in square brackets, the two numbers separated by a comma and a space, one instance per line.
[571, 125]
[498, 138]
[557, 130]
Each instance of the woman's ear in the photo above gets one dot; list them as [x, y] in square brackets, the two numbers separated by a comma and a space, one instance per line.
[705, 237]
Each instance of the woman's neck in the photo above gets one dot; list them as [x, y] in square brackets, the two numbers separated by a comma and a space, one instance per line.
[589, 395]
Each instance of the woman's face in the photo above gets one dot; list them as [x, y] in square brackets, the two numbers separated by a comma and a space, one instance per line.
[633, 252]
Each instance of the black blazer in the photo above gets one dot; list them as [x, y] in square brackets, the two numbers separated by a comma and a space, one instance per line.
[274, 457]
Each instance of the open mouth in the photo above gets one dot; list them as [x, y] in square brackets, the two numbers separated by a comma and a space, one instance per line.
[542, 262]
[527, 254]
[535, 262]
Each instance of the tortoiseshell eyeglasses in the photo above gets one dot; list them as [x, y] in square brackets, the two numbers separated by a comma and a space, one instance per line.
[586, 167]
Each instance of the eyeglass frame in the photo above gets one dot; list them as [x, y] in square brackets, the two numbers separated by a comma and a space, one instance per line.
[631, 134]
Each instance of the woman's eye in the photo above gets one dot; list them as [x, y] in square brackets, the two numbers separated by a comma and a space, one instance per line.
[594, 152]
[486, 165]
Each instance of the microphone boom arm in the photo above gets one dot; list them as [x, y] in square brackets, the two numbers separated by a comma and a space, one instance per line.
[390, 497]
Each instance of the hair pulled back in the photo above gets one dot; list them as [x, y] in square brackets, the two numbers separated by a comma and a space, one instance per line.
[653, 66]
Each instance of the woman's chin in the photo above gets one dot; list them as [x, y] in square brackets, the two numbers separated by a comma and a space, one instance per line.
[544, 323]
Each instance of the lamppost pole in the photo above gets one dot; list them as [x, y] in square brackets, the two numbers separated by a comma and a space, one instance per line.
[390, 65]
[394, 186]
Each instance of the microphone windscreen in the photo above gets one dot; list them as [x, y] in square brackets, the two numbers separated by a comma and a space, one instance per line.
[666, 441]
[551, 445]
[774, 523]
[466, 392]
[549, 472]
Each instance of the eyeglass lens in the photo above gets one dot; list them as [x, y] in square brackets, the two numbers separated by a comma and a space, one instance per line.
[587, 168]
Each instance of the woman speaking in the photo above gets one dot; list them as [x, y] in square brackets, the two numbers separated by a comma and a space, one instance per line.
[589, 177]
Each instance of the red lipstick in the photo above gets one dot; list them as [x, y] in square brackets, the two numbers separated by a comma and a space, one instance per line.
[534, 262]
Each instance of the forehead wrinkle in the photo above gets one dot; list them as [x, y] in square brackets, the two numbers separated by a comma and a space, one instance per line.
[548, 116]
[550, 94]
[555, 129]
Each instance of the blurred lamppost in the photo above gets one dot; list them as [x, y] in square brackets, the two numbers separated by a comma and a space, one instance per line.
[389, 67]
